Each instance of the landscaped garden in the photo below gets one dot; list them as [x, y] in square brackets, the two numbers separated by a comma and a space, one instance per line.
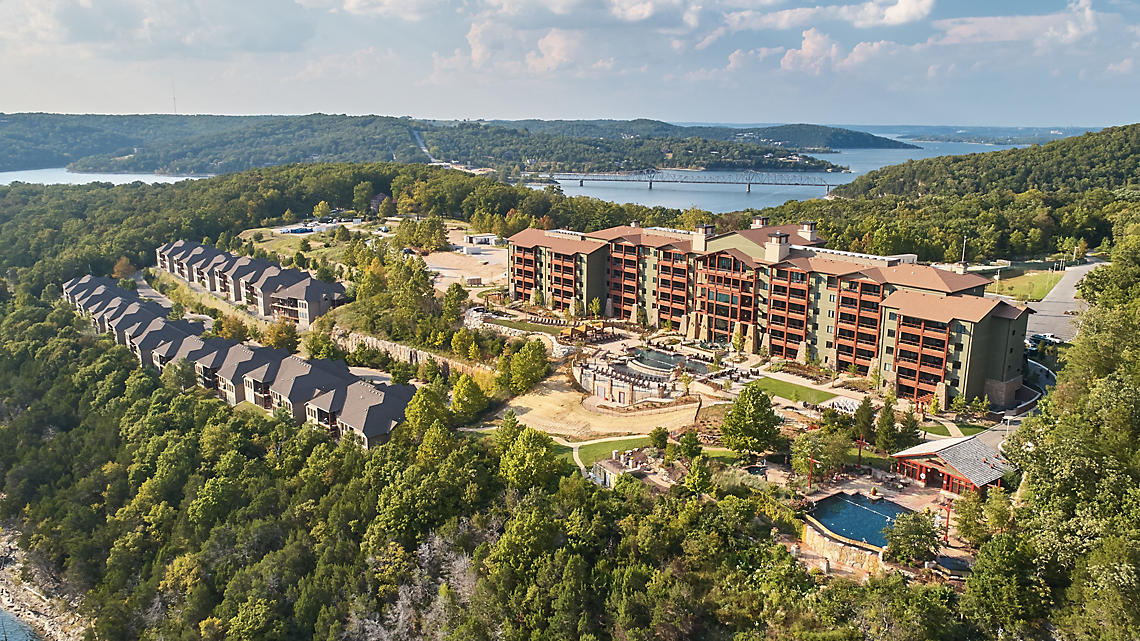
[793, 392]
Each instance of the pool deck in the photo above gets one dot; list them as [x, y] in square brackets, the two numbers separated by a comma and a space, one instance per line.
[912, 497]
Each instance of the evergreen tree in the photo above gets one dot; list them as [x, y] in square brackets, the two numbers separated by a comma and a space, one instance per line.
[865, 419]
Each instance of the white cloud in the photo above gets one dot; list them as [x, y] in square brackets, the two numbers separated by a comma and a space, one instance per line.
[816, 52]
[361, 63]
[556, 49]
[1124, 67]
[411, 10]
[637, 10]
[876, 13]
[1065, 27]
[865, 51]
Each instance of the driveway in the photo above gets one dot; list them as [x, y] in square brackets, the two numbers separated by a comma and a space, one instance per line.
[1050, 317]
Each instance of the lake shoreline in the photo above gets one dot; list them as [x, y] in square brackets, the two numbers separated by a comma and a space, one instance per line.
[50, 615]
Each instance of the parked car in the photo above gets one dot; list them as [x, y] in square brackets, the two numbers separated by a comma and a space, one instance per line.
[759, 469]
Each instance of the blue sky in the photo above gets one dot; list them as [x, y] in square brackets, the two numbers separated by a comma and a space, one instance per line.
[969, 62]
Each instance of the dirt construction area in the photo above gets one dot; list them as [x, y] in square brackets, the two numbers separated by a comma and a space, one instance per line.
[555, 407]
[490, 263]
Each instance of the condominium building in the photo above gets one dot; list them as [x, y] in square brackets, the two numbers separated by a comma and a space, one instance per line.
[269, 290]
[927, 332]
[266, 377]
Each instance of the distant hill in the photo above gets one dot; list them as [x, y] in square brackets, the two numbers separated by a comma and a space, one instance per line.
[39, 140]
[1108, 158]
[794, 136]
[221, 144]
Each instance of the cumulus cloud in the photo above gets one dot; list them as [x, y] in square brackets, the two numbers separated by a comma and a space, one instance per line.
[876, 13]
[816, 52]
[556, 49]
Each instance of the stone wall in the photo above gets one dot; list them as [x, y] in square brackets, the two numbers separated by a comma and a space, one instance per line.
[349, 341]
[838, 552]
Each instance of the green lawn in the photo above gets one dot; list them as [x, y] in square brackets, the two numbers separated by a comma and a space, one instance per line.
[793, 392]
[874, 459]
[565, 452]
[1028, 286]
[553, 330]
[969, 429]
[596, 451]
[936, 428]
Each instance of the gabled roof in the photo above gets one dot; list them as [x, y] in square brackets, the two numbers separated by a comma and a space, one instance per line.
[926, 277]
[311, 289]
[947, 308]
[243, 266]
[561, 242]
[826, 266]
[299, 380]
[977, 462]
[642, 236]
[374, 410]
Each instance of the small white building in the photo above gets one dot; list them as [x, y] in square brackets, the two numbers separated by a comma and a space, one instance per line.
[480, 239]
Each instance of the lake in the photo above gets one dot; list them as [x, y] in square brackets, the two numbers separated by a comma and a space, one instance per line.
[13, 629]
[61, 176]
[724, 198]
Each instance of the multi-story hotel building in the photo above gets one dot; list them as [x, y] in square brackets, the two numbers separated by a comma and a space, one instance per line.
[928, 332]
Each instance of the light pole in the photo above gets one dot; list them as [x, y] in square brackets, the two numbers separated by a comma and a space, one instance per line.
[946, 536]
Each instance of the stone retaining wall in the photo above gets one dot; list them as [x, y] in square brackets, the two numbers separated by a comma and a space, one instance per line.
[349, 341]
[838, 552]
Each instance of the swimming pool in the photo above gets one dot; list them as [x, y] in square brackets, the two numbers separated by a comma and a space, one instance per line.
[857, 517]
[667, 362]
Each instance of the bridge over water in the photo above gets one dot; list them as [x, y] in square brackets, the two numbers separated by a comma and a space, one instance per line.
[747, 178]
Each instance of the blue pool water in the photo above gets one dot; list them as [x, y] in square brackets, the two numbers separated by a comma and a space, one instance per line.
[666, 361]
[857, 517]
[13, 629]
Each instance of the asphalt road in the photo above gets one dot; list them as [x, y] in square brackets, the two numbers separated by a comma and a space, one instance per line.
[1050, 317]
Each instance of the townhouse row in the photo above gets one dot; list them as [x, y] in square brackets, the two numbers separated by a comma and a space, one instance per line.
[927, 332]
[319, 391]
[271, 291]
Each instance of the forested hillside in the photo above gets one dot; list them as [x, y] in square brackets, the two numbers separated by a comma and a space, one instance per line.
[36, 140]
[799, 136]
[486, 145]
[177, 516]
[1108, 159]
[189, 145]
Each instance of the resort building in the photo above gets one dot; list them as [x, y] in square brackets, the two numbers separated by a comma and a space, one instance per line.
[319, 391]
[271, 292]
[927, 332]
[955, 465]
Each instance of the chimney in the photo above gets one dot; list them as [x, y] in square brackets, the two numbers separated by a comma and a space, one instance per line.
[635, 223]
[759, 222]
[701, 237]
[777, 247]
[807, 231]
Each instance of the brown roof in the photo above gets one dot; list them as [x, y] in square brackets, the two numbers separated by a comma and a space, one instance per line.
[760, 235]
[825, 265]
[926, 277]
[561, 243]
[946, 308]
[642, 236]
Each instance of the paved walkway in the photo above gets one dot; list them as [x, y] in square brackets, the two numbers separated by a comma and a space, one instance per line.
[1050, 316]
[144, 290]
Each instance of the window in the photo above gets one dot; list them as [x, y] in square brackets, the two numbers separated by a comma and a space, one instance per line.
[831, 313]
[886, 367]
[831, 298]
[890, 333]
[828, 343]
[891, 316]
[829, 328]
[890, 350]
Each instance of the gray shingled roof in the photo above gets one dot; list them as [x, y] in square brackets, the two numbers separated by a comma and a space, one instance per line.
[977, 462]
[309, 289]
[374, 410]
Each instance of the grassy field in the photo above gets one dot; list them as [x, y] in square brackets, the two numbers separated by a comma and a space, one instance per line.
[1028, 286]
[596, 451]
[969, 429]
[553, 330]
[793, 392]
[936, 428]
